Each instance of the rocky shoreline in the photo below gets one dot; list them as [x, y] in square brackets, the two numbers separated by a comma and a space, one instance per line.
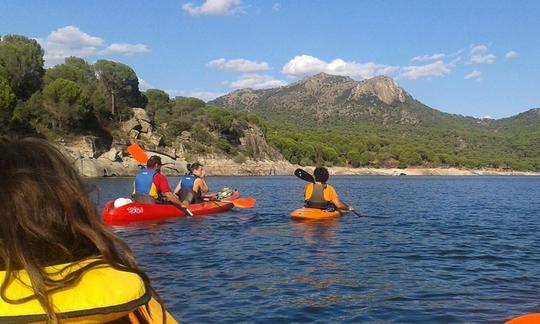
[112, 164]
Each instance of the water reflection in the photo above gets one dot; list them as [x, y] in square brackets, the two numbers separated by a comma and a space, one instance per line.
[315, 231]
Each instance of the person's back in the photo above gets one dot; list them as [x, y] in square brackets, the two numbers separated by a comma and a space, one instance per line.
[193, 185]
[145, 190]
[320, 194]
[150, 186]
[57, 260]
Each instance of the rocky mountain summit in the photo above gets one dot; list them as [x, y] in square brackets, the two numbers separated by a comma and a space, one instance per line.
[315, 98]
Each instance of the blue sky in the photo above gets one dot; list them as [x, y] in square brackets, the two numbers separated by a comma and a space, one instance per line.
[476, 58]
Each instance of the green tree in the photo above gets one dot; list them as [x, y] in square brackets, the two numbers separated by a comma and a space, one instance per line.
[121, 84]
[66, 104]
[74, 69]
[410, 158]
[22, 61]
[354, 158]
[158, 100]
[366, 158]
[7, 103]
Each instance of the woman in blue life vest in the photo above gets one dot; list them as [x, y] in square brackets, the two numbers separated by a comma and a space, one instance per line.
[58, 262]
[192, 186]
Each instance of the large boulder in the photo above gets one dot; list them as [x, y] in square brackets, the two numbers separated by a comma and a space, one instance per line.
[143, 119]
[140, 122]
[254, 142]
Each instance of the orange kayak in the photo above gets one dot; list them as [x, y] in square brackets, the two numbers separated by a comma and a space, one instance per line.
[314, 213]
[525, 319]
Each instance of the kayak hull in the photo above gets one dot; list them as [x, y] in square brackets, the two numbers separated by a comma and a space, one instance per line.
[137, 212]
[314, 214]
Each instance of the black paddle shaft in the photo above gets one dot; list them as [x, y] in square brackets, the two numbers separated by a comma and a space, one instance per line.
[304, 175]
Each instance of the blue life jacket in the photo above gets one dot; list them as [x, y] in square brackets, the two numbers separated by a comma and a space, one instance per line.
[187, 182]
[144, 183]
[186, 187]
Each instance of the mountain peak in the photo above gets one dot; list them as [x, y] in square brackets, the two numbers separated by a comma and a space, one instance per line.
[323, 79]
[383, 87]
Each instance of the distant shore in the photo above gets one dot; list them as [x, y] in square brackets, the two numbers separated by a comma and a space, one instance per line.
[429, 172]
[225, 167]
[108, 165]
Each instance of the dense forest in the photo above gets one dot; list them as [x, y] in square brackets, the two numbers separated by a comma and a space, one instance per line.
[78, 98]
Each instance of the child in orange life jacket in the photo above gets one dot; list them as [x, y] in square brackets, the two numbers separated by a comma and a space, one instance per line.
[322, 195]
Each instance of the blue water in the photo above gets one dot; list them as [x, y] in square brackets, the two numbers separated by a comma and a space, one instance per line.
[429, 249]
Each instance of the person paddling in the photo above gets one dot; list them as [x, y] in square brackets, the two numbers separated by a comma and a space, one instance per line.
[321, 195]
[151, 186]
[192, 186]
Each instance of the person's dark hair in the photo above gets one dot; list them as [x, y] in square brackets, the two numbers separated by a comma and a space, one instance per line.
[321, 174]
[153, 161]
[193, 166]
[48, 218]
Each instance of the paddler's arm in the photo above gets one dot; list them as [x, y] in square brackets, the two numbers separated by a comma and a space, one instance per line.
[336, 201]
[163, 187]
[173, 199]
[340, 204]
[178, 188]
[200, 183]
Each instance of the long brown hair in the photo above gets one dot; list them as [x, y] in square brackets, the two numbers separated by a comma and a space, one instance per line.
[48, 218]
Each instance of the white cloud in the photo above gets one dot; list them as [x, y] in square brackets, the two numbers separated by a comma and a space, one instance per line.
[479, 55]
[303, 65]
[474, 75]
[71, 41]
[68, 41]
[511, 55]
[426, 58]
[205, 95]
[143, 85]
[435, 69]
[198, 93]
[214, 8]
[125, 49]
[276, 7]
[478, 49]
[257, 81]
[239, 65]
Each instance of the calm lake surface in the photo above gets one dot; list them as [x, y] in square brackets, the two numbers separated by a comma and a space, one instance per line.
[430, 249]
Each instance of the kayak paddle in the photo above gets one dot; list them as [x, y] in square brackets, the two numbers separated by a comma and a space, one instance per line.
[304, 175]
[138, 154]
[244, 202]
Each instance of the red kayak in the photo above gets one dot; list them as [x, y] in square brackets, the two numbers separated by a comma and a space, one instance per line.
[136, 212]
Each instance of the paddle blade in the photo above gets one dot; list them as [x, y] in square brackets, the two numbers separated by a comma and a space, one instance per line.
[137, 152]
[304, 175]
[525, 319]
[244, 202]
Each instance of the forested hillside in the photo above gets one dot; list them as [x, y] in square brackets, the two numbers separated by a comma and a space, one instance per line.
[335, 120]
